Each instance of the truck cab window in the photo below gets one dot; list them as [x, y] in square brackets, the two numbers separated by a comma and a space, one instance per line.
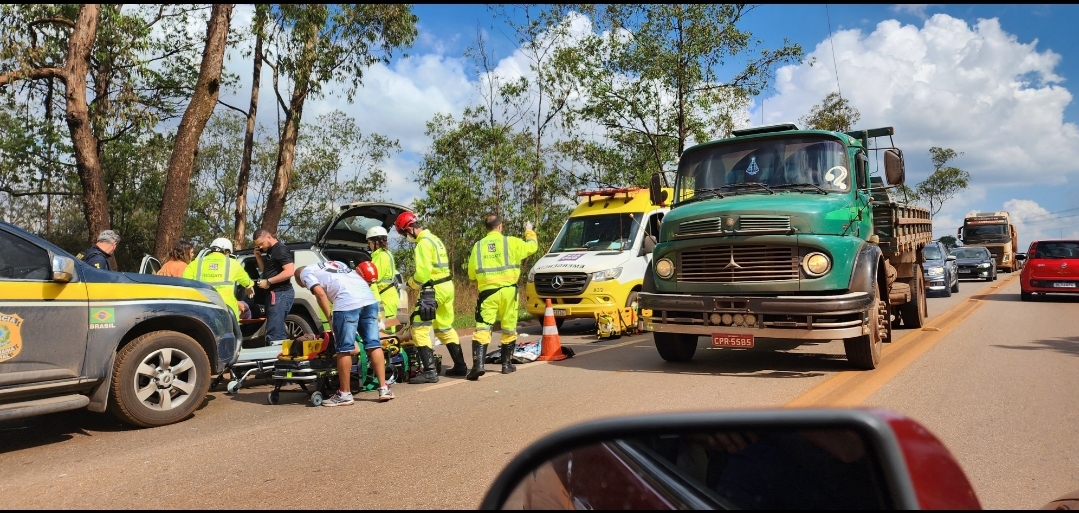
[21, 260]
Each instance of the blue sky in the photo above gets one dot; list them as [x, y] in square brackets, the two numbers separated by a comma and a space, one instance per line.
[943, 75]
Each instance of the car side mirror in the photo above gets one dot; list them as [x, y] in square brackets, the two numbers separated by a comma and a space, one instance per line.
[1020, 256]
[894, 169]
[63, 269]
[655, 190]
[841, 458]
[950, 258]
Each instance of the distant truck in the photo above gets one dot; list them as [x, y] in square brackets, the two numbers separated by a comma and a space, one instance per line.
[781, 233]
[995, 232]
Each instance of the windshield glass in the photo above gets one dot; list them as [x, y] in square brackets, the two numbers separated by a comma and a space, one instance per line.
[932, 253]
[986, 230]
[971, 253]
[773, 162]
[595, 233]
[1068, 249]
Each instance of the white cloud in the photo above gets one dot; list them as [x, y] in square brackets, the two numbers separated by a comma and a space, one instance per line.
[1032, 222]
[975, 89]
[913, 9]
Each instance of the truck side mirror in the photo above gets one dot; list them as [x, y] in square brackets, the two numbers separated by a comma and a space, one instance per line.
[655, 190]
[894, 170]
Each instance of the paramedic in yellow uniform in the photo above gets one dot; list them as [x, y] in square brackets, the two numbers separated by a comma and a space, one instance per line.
[221, 272]
[432, 270]
[382, 258]
[494, 265]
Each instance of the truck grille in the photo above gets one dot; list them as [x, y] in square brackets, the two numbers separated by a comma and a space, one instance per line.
[997, 252]
[572, 283]
[764, 223]
[710, 225]
[713, 264]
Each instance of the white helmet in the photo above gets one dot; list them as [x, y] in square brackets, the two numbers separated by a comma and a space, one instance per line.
[376, 231]
[221, 244]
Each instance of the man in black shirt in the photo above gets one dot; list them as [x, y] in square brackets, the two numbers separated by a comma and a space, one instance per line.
[276, 268]
[98, 254]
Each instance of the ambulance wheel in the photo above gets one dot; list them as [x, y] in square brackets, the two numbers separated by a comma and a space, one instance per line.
[233, 387]
[558, 322]
[274, 397]
[316, 399]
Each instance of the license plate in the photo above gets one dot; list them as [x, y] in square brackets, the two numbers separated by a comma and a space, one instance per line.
[1065, 284]
[965, 271]
[727, 340]
[559, 312]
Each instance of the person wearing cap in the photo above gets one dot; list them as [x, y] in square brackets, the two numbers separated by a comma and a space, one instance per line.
[98, 255]
[218, 269]
[494, 265]
[382, 258]
[432, 271]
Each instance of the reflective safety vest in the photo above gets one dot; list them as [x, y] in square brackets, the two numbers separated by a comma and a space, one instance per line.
[386, 266]
[432, 261]
[222, 273]
[495, 261]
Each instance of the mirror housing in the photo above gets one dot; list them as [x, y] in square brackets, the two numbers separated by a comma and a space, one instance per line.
[1020, 256]
[647, 245]
[655, 190]
[895, 172]
[950, 258]
[914, 469]
[63, 269]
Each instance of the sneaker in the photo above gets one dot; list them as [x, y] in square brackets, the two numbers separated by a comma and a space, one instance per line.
[338, 399]
[385, 394]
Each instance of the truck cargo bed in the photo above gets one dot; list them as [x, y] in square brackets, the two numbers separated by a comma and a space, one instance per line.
[901, 228]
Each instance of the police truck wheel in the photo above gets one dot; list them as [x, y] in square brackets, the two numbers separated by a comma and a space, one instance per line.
[864, 351]
[914, 311]
[296, 326]
[675, 347]
[158, 379]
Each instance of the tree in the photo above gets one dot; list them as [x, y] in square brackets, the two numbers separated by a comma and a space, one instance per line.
[655, 76]
[949, 241]
[240, 224]
[314, 44]
[835, 113]
[945, 182]
[185, 147]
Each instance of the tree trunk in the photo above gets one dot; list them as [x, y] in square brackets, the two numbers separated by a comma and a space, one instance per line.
[207, 89]
[87, 163]
[239, 232]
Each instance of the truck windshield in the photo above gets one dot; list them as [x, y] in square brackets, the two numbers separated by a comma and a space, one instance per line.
[985, 231]
[812, 162]
[595, 233]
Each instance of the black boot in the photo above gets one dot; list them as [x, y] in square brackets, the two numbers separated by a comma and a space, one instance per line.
[430, 375]
[479, 352]
[507, 357]
[459, 368]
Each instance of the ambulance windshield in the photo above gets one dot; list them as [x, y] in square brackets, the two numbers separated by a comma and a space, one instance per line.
[598, 233]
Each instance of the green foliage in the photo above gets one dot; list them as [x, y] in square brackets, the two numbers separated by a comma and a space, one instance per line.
[949, 241]
[945, 182]
[835, 113]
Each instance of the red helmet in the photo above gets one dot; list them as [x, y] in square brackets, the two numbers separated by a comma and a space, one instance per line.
[404, 220]
[368, 271]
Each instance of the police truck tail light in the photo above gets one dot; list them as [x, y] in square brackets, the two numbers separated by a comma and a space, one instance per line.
[664, 268]
[816, 264]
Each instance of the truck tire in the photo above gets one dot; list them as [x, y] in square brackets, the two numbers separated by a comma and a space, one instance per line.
[159, 378]
[914, 311]
[675, 347]
[863, 351]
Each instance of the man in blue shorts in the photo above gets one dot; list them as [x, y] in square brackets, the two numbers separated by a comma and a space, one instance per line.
[354, 310]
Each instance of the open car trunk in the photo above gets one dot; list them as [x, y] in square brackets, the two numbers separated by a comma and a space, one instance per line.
[344, 238]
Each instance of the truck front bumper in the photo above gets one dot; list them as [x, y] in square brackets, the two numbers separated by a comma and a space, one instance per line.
[789, 317]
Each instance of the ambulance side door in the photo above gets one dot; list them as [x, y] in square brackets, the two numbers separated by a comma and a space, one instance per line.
[43, 323]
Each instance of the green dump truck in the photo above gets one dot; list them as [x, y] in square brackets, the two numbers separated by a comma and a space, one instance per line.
[782, 233]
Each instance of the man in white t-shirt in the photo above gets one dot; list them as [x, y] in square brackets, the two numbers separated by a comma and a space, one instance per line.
[354, 310]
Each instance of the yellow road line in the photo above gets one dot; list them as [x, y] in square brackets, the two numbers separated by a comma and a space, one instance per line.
[521, 367]
[851, 388]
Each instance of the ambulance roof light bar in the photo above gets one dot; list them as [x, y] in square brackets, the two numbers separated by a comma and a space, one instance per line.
[608, 193]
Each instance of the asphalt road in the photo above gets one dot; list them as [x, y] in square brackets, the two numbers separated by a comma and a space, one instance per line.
[994, 378]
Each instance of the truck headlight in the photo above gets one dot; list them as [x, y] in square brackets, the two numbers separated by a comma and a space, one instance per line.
[664, 268]
[531, 276]
[934, 271]
[816, 264]
[984, 265]
[608, 274]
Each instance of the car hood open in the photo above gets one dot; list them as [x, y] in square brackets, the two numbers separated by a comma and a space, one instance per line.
[349, 226]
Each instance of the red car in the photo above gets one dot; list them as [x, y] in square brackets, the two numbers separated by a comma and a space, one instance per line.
[1051, 267]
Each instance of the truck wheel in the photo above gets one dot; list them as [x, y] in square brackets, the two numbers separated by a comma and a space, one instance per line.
[914, 311]
[675, 347]
[158, 379]
[296, 326]
[864, 351]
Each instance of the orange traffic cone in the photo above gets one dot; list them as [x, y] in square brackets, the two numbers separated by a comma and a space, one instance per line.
[550, 344]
